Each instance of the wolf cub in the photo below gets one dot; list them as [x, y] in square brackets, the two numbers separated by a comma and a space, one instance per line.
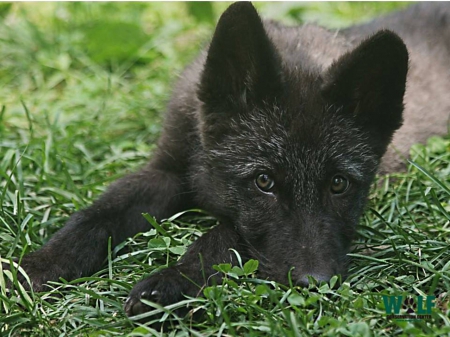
[278, 132]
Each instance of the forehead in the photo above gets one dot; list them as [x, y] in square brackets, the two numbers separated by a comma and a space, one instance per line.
[299, 141]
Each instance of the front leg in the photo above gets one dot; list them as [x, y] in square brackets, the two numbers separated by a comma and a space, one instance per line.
[190, 274]
[80, 248]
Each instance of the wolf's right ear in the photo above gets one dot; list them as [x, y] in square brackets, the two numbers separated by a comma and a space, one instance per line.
[369, 83]
[242, 66]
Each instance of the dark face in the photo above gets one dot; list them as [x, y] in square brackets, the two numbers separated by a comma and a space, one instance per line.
[290, 152]
[294, 184]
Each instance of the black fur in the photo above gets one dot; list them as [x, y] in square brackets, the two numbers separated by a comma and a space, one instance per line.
[301, 105]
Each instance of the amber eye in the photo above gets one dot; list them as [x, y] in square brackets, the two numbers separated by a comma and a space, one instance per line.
[264, 182]
[339, 184]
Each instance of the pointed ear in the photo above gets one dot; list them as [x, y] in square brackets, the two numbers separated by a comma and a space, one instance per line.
[242, 66]
[369, 83]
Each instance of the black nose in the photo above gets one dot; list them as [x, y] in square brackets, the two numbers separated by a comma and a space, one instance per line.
[304, 282]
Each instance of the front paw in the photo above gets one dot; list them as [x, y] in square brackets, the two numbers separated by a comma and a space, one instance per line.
[34, 272]
[14, 274]
[164, 288]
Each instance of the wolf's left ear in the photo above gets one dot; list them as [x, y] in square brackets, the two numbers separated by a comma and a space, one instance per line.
[242, 66]
[369, 83]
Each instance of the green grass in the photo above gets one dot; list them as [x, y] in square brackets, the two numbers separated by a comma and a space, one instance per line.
[81, 104]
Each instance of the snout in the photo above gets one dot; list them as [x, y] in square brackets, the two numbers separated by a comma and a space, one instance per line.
[319, 264]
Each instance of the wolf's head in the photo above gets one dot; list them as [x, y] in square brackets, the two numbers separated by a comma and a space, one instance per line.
[291, 151]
